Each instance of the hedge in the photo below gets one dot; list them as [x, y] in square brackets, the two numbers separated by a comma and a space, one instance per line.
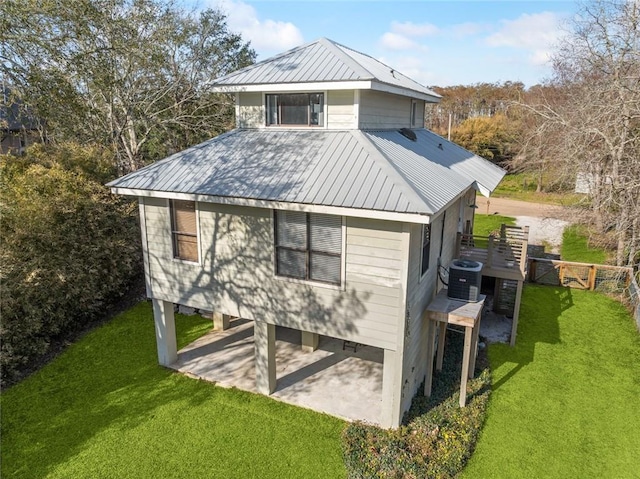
[437, 436]
[68, 249]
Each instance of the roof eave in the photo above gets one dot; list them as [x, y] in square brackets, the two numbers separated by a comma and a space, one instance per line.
[327, 86]
[419, 218]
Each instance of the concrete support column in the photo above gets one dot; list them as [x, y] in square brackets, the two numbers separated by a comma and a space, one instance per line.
[220, 321]
[391, 390]
[165, 332]
[309, 341]
[264, 335]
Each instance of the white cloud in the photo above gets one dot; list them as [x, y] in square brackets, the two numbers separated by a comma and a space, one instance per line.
[468, 29]
[264, 34]
[536, 33]
[411, 29]
[395, 41]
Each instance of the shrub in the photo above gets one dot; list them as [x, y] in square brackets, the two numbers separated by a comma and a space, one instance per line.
[67, 249]
[437, 436]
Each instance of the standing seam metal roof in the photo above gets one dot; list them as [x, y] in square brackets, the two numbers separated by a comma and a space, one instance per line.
[320, 61]
[374, 170]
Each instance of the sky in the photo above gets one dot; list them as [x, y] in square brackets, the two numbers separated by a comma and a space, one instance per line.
[437, 43]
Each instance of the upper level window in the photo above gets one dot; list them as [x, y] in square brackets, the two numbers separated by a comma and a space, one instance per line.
[184, 230]
[414, 112]
[299, 109]
[308, 246]
[426, 248]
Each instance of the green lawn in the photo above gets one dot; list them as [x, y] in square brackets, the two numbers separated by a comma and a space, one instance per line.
[565, 400]
[105, 409]
[483, 225]
[522, 186]
[575, 247]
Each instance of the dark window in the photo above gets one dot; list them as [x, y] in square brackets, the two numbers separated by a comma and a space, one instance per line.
[306, 109]
[426, 247]
[308, 246]
[184, 230]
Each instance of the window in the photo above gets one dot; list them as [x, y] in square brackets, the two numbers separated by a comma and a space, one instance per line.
[308, 246]
[414, 112]
[184, 230]
[426, 247]
[302, 109]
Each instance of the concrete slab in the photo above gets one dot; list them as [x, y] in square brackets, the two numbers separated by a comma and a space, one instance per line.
[338, 382]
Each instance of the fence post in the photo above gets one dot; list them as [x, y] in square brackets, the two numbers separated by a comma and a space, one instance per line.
[532, 270]
[591, 281]
[490, 252]
[561, 274]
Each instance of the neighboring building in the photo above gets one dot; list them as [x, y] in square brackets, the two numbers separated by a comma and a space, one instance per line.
[17, 129]
[327, 210]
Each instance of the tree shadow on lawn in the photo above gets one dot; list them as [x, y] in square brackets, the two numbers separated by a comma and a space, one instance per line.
[540, 311]
[110, 379]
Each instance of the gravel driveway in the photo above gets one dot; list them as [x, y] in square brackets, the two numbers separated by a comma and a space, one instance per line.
[545, 222]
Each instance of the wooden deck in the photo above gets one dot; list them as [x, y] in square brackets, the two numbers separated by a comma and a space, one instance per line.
[502, 256]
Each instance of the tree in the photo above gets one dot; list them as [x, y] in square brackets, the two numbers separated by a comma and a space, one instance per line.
[130, 74]
[595, 121]
[492, 137]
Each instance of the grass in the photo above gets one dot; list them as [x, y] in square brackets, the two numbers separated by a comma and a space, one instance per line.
[105, 409]
[575, 247]
[522, 186]
[565, 399]
[484, 225]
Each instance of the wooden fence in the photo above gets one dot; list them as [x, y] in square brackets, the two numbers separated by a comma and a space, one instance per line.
[579, 275]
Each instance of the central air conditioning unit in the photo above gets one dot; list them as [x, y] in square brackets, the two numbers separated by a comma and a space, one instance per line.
[465, 279]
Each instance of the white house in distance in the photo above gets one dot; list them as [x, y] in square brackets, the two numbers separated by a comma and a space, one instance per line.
[326, 210]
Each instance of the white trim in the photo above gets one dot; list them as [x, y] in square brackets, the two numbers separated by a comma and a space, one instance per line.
[279, 205]
[327, 85]
[237, 110]
[145, 246]
[356, 108]
[343, 265]
[297, 87]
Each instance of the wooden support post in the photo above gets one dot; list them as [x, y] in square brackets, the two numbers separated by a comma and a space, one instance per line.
[516, 313]
[442, 332]
[591, 281]
[428, 380]
[264, 335]
[474, 347]
[466, 358]
[309, 341]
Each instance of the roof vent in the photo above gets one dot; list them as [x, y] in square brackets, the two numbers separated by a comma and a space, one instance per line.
[409, 134]
[440, 146]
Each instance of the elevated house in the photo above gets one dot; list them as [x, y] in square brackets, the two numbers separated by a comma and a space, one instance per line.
[327, 210]
[18, 128]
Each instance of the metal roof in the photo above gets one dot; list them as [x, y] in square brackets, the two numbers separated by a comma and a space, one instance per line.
[320, 61]
[375, 170]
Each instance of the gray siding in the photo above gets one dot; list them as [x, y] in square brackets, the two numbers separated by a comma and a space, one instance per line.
[236, 275]
[340, 110]
[251, 112]
[420, 292]
[380, 110]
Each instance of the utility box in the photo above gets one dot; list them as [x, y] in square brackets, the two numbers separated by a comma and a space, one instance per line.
[465, 279]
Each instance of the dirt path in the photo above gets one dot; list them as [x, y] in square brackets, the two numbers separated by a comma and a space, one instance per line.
[508, 207]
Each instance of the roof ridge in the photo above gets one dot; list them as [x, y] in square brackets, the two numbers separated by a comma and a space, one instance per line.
[389, 168]
[346, 58]
[270, 59]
